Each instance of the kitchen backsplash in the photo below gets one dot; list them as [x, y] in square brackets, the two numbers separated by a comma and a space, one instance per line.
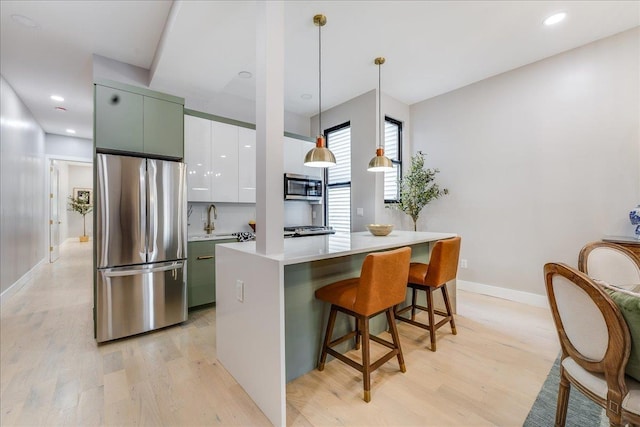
[234, 217]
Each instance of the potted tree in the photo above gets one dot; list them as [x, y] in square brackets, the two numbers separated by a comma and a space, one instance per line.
[418, 188]
[83, 207]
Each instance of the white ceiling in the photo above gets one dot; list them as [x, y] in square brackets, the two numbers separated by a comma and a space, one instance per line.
[431, 47]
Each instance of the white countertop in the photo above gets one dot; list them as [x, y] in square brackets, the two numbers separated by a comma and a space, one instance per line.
[312, 248]
[215, 236]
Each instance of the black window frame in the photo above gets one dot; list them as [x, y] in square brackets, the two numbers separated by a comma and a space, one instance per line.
[325, 200]
[397, 162]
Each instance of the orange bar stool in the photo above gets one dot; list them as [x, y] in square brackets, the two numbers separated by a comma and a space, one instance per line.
[442, 267]
[380, 287]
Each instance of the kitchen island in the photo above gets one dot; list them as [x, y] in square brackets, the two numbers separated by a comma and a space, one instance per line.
[268, 324]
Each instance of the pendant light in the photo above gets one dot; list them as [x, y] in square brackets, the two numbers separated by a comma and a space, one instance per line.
[380, 163]
[319, 156]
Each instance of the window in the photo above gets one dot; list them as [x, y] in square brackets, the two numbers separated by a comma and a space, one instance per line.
[338, 179]
[392, 149]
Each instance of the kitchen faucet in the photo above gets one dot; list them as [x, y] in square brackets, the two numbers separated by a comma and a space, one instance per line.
[210, 226]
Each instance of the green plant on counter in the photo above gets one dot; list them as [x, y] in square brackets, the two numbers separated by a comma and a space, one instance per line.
[417, 189]
[81, 206]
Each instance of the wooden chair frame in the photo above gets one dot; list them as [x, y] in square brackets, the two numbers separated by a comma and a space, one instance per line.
[361, 331]
[613, 363]
[586, 250]
[432, 326]
[442, 268]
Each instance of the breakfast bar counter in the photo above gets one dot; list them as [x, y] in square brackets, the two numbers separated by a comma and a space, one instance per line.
[268, 323]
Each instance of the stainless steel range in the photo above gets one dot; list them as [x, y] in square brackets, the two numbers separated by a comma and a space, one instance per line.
[307, 230]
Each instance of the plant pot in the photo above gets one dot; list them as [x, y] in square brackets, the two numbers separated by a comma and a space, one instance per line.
[84, 238]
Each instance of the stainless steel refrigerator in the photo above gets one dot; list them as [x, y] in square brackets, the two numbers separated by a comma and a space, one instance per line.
[141, 245]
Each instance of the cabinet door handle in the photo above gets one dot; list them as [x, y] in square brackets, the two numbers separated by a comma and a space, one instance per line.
[205, 257]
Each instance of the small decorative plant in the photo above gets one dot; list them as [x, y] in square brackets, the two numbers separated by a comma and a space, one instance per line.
[418, 188]
[83, 207]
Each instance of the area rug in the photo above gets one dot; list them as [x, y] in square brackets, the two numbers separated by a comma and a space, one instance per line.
[581, 411]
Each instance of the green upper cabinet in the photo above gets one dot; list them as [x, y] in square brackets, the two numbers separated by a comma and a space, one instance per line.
[118, 120]
[163, 128]
[138, 120]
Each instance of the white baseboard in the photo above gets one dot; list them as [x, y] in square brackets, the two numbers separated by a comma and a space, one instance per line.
[504, 293]
[18, 284]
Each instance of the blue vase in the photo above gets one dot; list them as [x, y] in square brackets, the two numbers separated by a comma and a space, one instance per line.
[634, 217]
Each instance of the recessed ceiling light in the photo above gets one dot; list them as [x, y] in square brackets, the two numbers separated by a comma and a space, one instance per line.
[555, 18]
[306, 96]
[60, 108]
[71, 131]
[245, 75]
[25, 20]
[57, 98]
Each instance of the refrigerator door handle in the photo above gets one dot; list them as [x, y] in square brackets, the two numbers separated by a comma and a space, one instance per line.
[152, 213]
[143, 211]
[134, 271]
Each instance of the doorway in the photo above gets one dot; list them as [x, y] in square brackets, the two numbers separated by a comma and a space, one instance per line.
[66, 178]
[54, 211]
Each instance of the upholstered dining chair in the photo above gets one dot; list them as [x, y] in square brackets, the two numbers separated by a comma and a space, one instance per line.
[595, 343]
[381, 285]
[610, 263]
[442, 267]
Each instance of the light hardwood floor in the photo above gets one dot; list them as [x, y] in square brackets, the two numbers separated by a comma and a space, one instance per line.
[53, 373]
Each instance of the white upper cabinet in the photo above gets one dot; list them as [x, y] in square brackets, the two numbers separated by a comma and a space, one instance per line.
[197, 141]
[246, 165]
[225, 162]
[293, 156]
[294, 152]
[306, 170]
[221, 161]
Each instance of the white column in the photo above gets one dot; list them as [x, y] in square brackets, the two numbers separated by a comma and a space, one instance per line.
[269, 126]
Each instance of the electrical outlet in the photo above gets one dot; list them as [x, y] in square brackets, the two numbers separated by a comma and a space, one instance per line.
[240, 290]
[463, 263]
[360, 211]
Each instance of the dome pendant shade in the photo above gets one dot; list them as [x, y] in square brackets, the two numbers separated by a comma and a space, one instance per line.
[319, 156]
[380, 163]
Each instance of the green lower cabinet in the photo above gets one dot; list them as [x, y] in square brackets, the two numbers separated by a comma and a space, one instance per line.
[201, 272]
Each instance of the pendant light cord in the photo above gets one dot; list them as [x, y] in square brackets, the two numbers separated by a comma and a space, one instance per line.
[380, 106]
[320, 80]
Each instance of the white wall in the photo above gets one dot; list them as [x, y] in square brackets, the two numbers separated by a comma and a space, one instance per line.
[366, 187]
[68, 147]
[22, 185]
[539, 160]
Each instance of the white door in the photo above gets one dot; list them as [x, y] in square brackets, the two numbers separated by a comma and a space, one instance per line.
[54, 214]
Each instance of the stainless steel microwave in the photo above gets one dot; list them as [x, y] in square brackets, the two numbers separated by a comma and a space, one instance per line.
[302, 187]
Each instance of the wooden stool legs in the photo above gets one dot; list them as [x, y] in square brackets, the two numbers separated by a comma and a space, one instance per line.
[396, 338]
[447, 304]
[362, 337]
[327, 337]
[432, 326]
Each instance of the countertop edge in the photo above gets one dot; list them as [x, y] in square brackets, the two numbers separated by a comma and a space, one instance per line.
[381, 243]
